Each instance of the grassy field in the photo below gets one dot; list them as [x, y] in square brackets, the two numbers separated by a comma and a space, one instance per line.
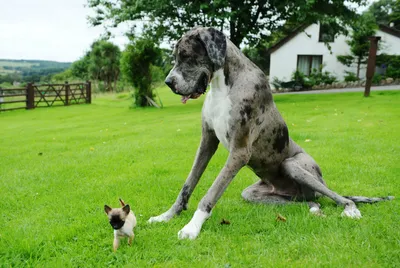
[60, 165]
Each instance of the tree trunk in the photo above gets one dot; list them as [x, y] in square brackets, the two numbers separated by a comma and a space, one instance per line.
[115, 80]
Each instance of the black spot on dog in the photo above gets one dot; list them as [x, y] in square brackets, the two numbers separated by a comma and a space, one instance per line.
[281, 139]
[185, 196]
[227, 136]
[269, 140]
[198, 48]
[243, 122]
[208, 207]
[262, 108]
[274, 131]
[248, 111]
[226, 74]
[258, 121]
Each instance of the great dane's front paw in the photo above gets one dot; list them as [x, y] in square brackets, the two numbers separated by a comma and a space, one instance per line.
[165, 217]
[351, 211]
[190, 231]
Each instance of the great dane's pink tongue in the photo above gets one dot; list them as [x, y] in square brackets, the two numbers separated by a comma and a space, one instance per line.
[184, 99]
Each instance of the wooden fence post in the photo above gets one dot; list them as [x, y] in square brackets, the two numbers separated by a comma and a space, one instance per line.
[371, 63]
[30, 96]
[1, 96]
[88, 92]
[66, 93]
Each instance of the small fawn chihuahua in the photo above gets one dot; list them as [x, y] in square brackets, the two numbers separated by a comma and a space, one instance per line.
[122, 221]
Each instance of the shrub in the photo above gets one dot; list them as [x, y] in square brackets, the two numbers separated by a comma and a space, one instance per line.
[392, 62]
[136, 63]
[393, 72]
[320, 77]
[350, 77]
[377, 79]
[276, 83]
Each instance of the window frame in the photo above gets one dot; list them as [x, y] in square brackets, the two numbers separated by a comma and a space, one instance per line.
[310, 58]
[322, 32]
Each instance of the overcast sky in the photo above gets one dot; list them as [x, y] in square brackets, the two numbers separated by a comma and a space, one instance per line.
[47, 30]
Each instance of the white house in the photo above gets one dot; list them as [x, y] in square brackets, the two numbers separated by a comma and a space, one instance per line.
[304, 49]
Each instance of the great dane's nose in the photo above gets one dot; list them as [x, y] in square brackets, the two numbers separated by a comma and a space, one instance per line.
[170, 82]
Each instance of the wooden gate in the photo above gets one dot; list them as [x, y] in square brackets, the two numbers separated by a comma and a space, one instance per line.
[45, 95]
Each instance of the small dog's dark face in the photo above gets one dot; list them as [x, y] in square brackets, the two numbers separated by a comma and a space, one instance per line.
[197, 54]
[117, 216]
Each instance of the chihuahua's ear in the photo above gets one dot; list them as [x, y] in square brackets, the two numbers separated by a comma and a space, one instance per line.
[107, 209]
[126, 209]
[121, 202]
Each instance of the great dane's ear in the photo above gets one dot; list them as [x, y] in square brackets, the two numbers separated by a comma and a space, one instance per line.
[215, 43]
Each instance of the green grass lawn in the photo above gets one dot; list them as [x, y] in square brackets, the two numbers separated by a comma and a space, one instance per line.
[60, 165]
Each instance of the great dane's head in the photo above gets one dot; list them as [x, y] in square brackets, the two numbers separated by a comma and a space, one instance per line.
[198, 54]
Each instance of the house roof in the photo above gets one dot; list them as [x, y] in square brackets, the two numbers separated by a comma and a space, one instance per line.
[301, 28]
[287, 38]
[389, 30]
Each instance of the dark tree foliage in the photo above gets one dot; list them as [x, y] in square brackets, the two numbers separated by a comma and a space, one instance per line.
[103, 64]
[395, 15]
[80, 68]
[381, 10]
[245, 20]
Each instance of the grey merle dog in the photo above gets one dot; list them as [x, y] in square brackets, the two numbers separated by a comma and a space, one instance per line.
[239, 112]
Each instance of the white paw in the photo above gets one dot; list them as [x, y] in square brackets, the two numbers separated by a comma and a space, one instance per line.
[190, 231]
[165, 217]
[351, 211]
[316, 211]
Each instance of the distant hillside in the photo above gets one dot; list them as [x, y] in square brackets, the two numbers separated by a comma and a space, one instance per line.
[29, 70]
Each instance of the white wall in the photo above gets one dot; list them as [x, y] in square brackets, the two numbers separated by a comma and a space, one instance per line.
[284, 59]
[389, 44]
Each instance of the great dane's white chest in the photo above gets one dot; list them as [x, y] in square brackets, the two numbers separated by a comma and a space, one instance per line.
[217, 108]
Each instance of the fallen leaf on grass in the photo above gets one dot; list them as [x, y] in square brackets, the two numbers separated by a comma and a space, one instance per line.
[91, 149]
[223, 221]
[279, 217]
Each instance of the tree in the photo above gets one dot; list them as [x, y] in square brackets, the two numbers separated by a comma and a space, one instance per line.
[80, 68]
[359, 42]
[104, 63]
[386, 12]
[246, 21]
[394, 17]
[381, 10]
[136, 64]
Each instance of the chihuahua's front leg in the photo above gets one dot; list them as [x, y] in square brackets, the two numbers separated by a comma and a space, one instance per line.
[131, 237]
[116, 243]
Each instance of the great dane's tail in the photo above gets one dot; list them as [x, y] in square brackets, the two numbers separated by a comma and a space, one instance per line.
[363, 199]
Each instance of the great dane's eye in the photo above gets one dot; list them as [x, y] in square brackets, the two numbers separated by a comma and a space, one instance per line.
[183, 56]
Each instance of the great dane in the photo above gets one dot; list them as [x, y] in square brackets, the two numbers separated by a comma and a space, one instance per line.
[239, 112]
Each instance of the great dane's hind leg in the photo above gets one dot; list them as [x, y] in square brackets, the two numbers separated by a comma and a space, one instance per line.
[299, 169]
[208, 146]
[261, 192]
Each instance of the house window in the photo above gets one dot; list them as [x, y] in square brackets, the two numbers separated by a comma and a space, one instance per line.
[326, 34]
[309, 63]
